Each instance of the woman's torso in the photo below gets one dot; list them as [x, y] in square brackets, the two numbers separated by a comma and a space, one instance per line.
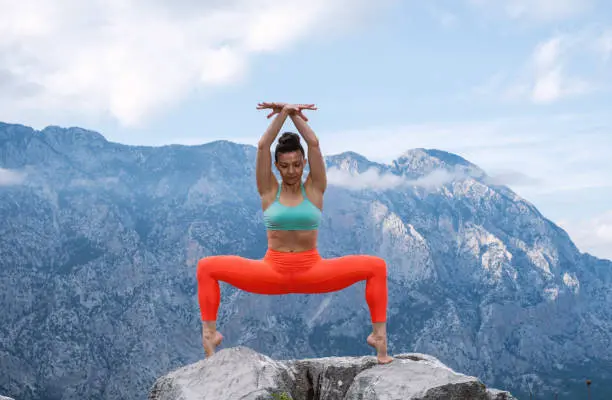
[293, 241]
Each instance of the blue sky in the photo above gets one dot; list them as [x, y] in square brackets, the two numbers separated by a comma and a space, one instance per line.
[519, 87]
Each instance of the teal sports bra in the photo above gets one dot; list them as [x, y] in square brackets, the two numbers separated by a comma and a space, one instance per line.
[303, 217]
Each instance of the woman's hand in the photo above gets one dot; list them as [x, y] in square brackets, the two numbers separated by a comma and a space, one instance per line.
[276, 107]
[288, 108]
[296, 109]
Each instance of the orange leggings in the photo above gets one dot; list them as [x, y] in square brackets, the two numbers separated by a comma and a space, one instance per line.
[303, 272]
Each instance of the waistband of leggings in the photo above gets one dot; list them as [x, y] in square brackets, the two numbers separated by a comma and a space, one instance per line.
[298, 257]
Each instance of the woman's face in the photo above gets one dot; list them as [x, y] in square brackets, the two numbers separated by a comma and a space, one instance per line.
[291, 166]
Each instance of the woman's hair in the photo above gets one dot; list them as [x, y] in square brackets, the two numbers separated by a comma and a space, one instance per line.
[287, 143]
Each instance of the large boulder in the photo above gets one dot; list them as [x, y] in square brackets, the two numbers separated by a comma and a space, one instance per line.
[241, 373]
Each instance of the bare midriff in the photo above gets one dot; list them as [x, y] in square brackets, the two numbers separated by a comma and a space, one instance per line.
[292, 241]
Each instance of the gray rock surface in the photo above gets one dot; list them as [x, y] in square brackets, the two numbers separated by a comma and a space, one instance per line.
[242, 373]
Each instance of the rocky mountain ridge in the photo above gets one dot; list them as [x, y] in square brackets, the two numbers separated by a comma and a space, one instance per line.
[100, 240]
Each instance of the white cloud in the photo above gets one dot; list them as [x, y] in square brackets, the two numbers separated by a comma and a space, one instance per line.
[131, 59]
[593, 235]
[9, 177]
[437, 178]
[373, 179]
[548, 70]
[539, 10]
[370, 179]
[547, 54]
[511, 178]
[555, 70]
[550, 82]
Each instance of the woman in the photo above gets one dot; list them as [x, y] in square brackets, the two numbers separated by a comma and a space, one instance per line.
[292, 212]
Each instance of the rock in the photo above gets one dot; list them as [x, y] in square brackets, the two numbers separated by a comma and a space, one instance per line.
[496, 394]
[242, 373]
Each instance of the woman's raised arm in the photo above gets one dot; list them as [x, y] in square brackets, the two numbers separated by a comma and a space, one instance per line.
[317, 174]
[263, 167]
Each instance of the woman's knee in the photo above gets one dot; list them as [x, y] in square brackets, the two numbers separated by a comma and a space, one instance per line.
[205, 265]
[380, 265]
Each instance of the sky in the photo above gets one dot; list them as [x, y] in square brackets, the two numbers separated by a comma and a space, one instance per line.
[521, 88]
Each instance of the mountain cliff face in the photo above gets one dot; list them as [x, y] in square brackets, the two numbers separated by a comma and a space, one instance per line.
[99, 244]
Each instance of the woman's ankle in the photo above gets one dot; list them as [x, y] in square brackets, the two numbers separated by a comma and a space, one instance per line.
[209, 327]
[379, 329]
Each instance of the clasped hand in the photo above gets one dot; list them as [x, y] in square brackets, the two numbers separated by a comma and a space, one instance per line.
[290, 109]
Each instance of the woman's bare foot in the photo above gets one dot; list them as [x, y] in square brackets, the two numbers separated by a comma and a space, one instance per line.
[211, 340]
[380, 344]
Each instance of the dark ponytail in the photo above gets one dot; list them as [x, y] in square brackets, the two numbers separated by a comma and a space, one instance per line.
[287, 143]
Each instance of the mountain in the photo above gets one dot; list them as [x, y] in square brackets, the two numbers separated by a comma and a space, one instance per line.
[100, 240]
